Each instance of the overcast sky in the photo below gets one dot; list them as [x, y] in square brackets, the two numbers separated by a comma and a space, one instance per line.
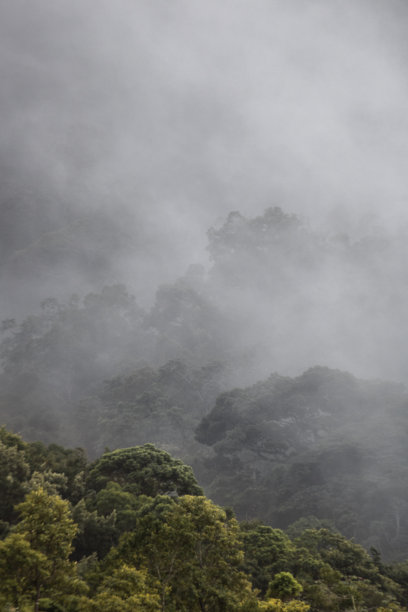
[172, 113]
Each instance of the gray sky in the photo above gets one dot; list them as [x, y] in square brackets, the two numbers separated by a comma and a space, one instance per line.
[170, 114]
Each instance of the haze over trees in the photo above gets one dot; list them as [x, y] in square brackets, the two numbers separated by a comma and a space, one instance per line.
[100, 371]
[203, 246]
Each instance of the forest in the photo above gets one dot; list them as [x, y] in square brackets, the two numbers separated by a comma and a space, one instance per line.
[132, 530]
[203, 306]
[296, 496]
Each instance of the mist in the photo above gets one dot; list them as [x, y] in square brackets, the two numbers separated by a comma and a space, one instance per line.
[129, 130]
[203, 246]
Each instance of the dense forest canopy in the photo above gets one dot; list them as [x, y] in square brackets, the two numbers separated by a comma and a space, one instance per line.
[133, 531]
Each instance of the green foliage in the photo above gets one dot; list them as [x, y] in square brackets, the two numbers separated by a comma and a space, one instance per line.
[96, 533]
[125, 590]
[144, 470]
[284, 586]
[14, 472]
[70, 462]
[267, 551]
[280, 450]
[276, 605]
[285, 449]
[46, 524]
[27, 466]
[22, 567]
[142, 543]
[341, 554]
[35, 557]
[193, 551]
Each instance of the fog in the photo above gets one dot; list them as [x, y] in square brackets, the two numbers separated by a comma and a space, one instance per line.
[204, 246]
[130, 128]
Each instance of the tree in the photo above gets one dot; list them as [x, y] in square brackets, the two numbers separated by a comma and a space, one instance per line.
[55, 357]
[194, 551]
[285, 586]
[161, 406]
[39, 547]
[125, 590]
[189, 326]
[96, 533]
[267, 551]
[21, 569]
[144, 470]
[277, 605]
[14, 473]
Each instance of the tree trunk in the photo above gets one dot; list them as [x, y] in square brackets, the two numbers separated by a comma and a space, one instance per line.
[37, 599]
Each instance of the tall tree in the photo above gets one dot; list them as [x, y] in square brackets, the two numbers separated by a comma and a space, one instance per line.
[40, 548]
[194, 551]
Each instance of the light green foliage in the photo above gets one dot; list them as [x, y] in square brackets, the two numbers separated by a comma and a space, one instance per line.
[52, 482]
[11, 439]
[277, 605]
[46, 524]
[125, 590]
[40, 546]
[21, 569]
[194, 552]
[284, 586]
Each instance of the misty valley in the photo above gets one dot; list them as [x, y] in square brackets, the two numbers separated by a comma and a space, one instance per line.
[278, 373]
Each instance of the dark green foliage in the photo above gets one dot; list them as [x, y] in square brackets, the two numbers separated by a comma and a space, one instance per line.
[287, 448]
[97, 533]
[71, 462]
[341, 554]
[267, 552]
[162, 406]
[14, 473]
[144, 470]
[25, 465]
